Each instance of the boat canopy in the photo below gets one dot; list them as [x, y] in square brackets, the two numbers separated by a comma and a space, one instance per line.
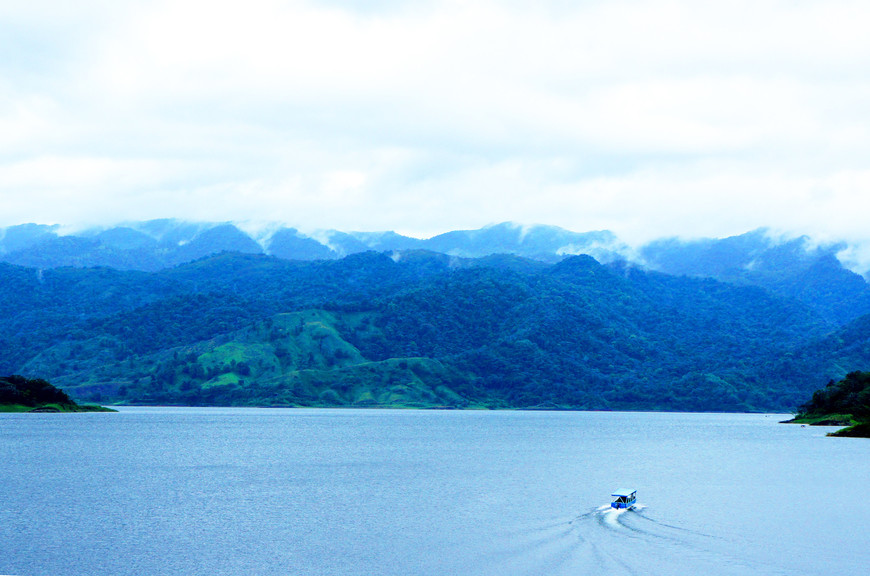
[623, 492]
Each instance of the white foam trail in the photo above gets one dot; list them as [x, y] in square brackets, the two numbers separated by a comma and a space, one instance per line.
[612, 516]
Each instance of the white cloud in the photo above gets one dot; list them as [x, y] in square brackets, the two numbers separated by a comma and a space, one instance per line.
[647, 117]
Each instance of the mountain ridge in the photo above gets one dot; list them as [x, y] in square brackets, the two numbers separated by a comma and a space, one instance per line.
[422, 329]
[538, 241]
[793, 268]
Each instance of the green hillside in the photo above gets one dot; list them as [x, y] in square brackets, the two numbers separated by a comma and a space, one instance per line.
[292, 359]
[416, 329]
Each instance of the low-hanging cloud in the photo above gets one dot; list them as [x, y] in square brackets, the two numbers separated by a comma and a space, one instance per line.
[646, 117]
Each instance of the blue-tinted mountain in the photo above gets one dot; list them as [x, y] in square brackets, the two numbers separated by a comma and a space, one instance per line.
[147, 246]
[547, 243]
[84, 251]
[24, 236]
[343, 244]
[835, 355]
[383, 241]
[289, 244]
[158, 244]
[792, 268]
[124, 238]
[221, 238]
[170, 232]
[410, 328]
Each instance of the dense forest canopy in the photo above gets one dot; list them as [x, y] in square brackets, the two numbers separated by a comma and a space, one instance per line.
[30, 392]
[843, 403]
[419, 328]
[851, 396]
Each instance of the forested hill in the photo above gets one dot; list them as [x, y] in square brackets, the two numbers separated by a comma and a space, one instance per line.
[793, 268]
[19, 394]
[846, 402]
[412, 328]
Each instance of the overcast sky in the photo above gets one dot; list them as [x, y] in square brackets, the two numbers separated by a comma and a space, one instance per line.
[648, 118]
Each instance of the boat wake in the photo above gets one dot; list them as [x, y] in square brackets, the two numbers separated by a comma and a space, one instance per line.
[630, 541]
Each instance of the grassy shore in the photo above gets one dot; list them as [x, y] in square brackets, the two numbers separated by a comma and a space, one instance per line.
[53, 408]
[853, 428]
[823, 420]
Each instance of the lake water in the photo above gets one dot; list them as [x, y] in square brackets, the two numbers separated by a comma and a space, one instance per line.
[390, 492]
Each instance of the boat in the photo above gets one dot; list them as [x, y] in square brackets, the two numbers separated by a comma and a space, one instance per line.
[623, 498]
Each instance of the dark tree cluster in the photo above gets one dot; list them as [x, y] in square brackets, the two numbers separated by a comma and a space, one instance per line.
[851, 395]
[30, 392]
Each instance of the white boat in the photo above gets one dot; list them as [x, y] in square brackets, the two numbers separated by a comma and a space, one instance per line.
[623, 498]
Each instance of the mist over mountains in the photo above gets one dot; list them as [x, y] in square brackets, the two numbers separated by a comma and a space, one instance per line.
[505, 316]
[157, 244]
[795, 267]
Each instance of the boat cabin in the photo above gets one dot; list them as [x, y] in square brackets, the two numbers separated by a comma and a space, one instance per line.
[623, 498]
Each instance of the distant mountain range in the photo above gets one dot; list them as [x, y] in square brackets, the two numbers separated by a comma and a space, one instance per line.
[793, 268]
[158, 244]
[505, 316]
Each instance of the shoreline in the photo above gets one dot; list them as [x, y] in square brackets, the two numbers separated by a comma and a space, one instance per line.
[851, 428]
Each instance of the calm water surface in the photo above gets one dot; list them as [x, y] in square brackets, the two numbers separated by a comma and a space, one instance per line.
[381, 492]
